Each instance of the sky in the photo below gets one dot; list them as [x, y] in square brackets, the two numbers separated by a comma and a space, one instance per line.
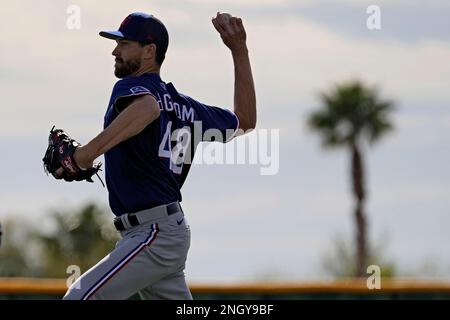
[247, 226]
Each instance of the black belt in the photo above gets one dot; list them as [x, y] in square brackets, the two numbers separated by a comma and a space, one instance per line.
[134, 221]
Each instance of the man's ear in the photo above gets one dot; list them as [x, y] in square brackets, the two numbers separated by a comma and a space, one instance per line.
[150, 51]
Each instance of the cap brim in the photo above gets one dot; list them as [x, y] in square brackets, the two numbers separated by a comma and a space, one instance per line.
[114, 35]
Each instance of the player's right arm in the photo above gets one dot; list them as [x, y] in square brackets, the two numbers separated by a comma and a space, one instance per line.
[234, 36]
[131, 121]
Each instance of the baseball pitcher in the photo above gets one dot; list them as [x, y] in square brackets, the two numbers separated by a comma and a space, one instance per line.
[148, 147]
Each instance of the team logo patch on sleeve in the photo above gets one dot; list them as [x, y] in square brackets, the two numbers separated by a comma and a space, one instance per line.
[139, 89]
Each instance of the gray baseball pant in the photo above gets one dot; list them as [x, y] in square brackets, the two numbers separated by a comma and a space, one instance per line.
[149, 260]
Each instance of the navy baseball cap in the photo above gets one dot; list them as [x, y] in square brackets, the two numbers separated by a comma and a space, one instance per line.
[141, 27]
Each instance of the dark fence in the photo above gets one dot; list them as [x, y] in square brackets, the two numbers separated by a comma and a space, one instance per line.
[41, 289]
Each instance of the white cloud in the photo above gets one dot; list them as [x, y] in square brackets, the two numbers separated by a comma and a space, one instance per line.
[413, 195]
[276, 3]
[248, 3]
[292, 60]
[414, 130]
[302, 57]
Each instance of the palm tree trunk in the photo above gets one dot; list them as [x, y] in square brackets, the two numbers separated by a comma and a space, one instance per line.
[360, 220]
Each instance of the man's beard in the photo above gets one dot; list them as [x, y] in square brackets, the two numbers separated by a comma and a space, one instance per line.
[124, 69]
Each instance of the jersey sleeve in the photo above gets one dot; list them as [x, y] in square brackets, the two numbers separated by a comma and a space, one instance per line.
[217, 124]
[126, 90]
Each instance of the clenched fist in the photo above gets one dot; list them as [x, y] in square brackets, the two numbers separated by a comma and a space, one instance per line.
[231, 31]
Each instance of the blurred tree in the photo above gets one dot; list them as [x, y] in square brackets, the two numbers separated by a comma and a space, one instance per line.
[15, 260]
[339, 261]
[351, 115]
[79, 238]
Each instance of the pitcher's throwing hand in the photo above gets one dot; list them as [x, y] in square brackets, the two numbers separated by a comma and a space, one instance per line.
[231, 31]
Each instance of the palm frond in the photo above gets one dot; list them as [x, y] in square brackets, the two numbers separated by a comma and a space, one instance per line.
[351, 112]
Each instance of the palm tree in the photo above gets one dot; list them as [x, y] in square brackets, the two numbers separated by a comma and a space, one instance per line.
[351, 115]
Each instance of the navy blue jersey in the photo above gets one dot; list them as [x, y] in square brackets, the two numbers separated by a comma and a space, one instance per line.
[150, 168]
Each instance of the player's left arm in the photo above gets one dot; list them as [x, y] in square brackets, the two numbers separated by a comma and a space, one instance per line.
[234, 37]
[131, 121]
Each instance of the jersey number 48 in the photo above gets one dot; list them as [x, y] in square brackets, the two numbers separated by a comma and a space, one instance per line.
[177, 154]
